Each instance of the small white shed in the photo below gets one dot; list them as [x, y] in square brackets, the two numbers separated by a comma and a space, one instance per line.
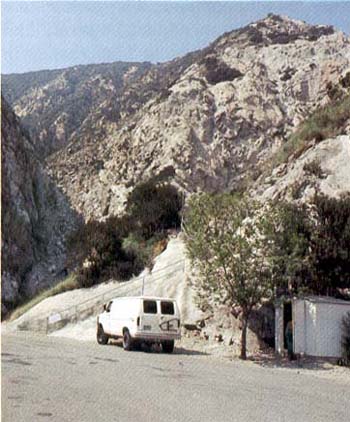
[316, 325]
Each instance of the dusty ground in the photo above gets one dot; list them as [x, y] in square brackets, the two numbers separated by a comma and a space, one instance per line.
[325, 368]
[63, 380]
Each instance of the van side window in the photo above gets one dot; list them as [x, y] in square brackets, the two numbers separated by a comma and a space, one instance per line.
[149, 306]
[167, 308]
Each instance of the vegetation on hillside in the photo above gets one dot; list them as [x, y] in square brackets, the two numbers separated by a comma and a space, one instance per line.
[121, 247]
[310, 246]
[326, 122]
[69, 283]
[154, 207]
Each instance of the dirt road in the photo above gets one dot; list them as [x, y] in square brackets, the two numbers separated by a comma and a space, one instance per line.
[63, 380]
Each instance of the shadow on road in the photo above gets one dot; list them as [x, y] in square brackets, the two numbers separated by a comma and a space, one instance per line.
[183, 351]
[157, 349]
[270, 360]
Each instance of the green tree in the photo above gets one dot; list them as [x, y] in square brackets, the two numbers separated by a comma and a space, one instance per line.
[310, 245]
[330, 245]
[225, 243]
[288, 232]
[154, 207]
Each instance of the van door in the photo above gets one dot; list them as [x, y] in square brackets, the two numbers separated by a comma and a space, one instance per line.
[169, 318]
[149, 321]
[115, 317]
[107, 318]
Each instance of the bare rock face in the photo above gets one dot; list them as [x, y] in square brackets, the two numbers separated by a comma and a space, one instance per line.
[35, 218]
[53, 105]
[201, 121]
[323, 168]
[225, 114]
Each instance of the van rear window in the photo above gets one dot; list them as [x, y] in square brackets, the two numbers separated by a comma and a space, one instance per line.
[149, 306]
[167, 308]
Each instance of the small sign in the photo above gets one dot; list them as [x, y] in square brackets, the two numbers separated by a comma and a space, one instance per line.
[54, 318]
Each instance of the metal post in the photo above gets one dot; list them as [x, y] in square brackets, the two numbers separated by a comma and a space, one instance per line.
[143, 285]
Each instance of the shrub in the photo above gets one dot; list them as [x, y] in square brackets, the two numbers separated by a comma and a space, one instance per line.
[154, 207]
[313, 168]
[326, 122]
[121, 247]
[311, 244]
[329, 249]
[137, 246]
[345, 81]
[346, 339]
[96, 252]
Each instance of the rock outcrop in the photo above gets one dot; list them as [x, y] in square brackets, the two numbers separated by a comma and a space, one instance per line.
[202, 121]
[54, 104]
[225, 114]
[323, 168]
[36, 217]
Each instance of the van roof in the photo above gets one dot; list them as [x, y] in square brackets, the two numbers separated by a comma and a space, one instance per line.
[146, 297]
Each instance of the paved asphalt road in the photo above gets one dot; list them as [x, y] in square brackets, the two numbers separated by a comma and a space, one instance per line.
[54, 379]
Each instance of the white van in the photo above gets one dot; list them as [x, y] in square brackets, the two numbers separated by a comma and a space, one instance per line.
[140, 320]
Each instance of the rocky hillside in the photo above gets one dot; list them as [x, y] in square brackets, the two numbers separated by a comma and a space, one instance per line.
[226, 114]
[324, 167]
[53, 104]
[203, 121]
[35, 217]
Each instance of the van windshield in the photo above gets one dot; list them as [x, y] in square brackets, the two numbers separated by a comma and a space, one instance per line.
[149, 306]
[167, 308]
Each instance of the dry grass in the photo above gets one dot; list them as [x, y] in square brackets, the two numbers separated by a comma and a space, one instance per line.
[326, 122]
[69, 283]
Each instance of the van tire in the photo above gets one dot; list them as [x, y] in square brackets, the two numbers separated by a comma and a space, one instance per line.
[168, 346]
[101, 336]
[127, 340]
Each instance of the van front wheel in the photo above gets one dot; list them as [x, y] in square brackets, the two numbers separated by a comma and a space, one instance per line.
[102, 337]
[127, 341]
[168, 346]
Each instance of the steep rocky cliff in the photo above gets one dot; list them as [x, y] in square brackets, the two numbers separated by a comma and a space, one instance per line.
[35, 217]
[53, 105]
[225, 114]
[323, 168]
[203, 121]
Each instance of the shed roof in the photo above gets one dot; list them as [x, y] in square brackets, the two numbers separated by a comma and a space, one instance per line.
[324, 299]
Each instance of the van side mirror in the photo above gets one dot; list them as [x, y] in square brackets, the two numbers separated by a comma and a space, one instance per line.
[104, 307]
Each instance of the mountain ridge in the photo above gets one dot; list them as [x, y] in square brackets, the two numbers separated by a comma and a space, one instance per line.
[206, 132]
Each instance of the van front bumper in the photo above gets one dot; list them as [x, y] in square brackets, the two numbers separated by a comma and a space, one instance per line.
[156, 337]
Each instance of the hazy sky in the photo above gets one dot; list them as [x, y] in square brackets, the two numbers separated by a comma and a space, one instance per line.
[48, 35]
